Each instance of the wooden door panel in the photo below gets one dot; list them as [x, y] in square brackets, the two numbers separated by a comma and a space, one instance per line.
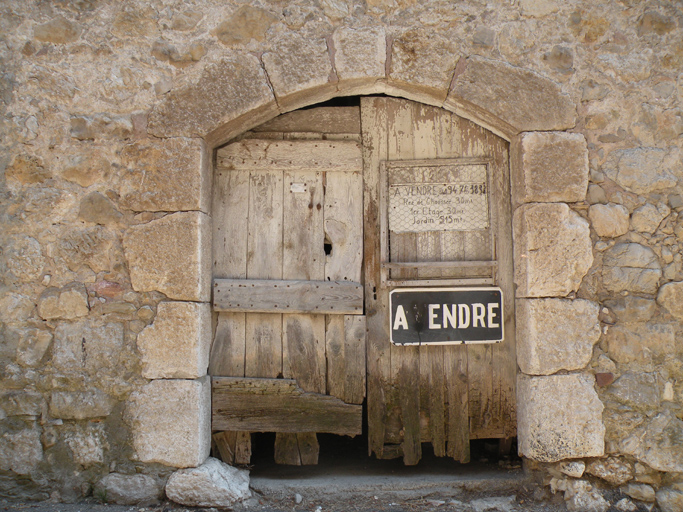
[442, 394]
[291, 195]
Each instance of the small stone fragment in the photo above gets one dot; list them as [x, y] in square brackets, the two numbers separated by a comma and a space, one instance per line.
[80, 405]
[604, 379]
[641, 492]
[631, 267]
[140, 490]
[186, 20]
[640, 170]
[98, 209]
[647, 218]
[58, 31]
[625, 505]
[27, 170]
[581, 496]
[670, 499]
[670, 296]
[573, 468]
[612, 470]
[298, 498]
[609, 220]
[213, 484]
[596, 194]
[69, 302]
[247, 23]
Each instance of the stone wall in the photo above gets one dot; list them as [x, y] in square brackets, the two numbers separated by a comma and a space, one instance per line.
[110, 111]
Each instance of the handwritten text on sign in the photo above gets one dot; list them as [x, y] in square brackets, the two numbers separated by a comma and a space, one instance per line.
[440, 206]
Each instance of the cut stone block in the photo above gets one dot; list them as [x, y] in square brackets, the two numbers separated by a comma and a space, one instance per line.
[171, 255]
[421, 57]
[171, 422]
[559, 417]
[549, 167]
[164, 175]
[299, 65]
[520, 99]
[555, 334]
[553, 250]
[233, 89]
[176, 345]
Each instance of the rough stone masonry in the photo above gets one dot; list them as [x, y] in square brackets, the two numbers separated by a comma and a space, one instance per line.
[110, 110]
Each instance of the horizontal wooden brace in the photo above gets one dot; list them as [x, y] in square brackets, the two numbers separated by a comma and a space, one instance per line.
[440, 264]
[279, 405]
[291, 155]
[275, 296]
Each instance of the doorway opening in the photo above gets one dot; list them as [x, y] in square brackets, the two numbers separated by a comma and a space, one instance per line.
[305, 256]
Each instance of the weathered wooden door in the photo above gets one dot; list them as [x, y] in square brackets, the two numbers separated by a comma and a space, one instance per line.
[287, 245]
[445, 395]
[305, 256]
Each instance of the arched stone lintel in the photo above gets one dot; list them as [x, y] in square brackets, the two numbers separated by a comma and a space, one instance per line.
[235, 95]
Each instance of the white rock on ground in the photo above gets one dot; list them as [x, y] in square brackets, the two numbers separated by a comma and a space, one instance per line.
[213, 484]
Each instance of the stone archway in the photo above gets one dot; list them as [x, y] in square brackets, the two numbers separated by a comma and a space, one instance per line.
[242, 91]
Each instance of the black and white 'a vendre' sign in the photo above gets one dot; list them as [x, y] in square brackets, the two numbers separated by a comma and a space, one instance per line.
[441, 316]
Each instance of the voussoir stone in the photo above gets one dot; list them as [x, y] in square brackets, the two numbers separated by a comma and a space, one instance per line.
[359, 53]
[171, 422]
[176, 345]
[523, 99]
[553, 250]
[555, 334]
[609, 220]
[129, 489]
[425, 58]
[298, 64]
[171, 255]
[164, 175]
[213, 484]
[559, 417]
[227, 90]
[549, 167]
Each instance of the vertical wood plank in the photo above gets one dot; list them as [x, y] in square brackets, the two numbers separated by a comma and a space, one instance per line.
[405, 361]
[228, 351]
[303, 335]
[479, 357]
[264, 261]
[458, 445]
[345, 335]
[230, 221]
[374, 137]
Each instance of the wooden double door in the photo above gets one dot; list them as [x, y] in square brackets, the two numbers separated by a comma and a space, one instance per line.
[305, 255]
